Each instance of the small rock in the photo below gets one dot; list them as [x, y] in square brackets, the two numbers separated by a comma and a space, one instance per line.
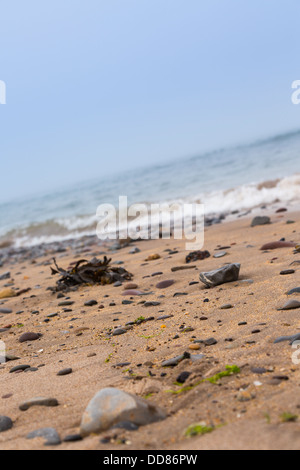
[111, 406]
[40, 401]
[264, 220]
[29, 337]
[228, 273]
[5, 423]
[65, 372]
[50, 435]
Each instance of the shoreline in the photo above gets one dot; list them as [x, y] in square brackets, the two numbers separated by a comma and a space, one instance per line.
[244, 410]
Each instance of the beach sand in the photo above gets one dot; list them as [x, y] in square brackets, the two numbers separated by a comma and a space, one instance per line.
[245, 410]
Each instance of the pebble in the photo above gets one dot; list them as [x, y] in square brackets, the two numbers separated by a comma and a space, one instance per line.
[90, 303]
[210, 342]
[132, 292]
[176, 360]
[130, 286]
[29, 337]
[5, 310]
[279, 244]
[287, 272]
[65, 372]
[228, 273]
[221, 254]
[5, 423]
[296, 290]
[119, 331]
[165, 284]
[5, 276]
[181, 268]
[260, 220]
[50, 435]
[226, 307]
[182, 378]
[291, 339]
[111, 406]
[153, 257]
[39, 401]
[7, 293]
[291, 305]
[18, 368]
[151, 304]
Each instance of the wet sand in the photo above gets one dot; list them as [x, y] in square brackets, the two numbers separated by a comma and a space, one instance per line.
[245, 410]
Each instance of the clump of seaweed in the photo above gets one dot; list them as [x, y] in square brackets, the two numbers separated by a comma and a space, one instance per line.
[89, 272]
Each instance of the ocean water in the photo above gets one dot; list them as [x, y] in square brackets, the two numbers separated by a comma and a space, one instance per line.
[225, 180]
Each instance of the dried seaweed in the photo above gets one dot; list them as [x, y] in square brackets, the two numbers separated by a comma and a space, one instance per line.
[197, 255]
[89, 272]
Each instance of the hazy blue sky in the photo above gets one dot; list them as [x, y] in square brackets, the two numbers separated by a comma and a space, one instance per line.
[95, 86]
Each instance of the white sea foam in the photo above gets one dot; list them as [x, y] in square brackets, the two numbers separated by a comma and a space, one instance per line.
[244, 197]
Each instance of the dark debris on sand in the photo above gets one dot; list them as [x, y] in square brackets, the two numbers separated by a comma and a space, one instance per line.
[89, 272]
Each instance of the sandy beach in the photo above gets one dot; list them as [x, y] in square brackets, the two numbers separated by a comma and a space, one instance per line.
[256, 408]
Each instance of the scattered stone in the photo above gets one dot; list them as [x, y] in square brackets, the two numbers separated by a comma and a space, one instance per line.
[210, 342]
[18, 368]
[7, 293]
[181, 268]
[165, 284]
[132, 292]
[39, 401]
[111, 406]
[221, 254]
[228, 273]
[153, 257]
[50, 435]
[5, 276]
[65, 372]
[119, 331]
[287, 272]
[276, 245]
[226, 307]
[90, 303]
[5, 311]
[176, 360]
[182, 378]
[5, 424]
[260, 220]
[294, 291]
[291, 305]
[130, 286]
[29, 337]
[291, 339]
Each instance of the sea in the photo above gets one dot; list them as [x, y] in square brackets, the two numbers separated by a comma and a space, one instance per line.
[226, 180]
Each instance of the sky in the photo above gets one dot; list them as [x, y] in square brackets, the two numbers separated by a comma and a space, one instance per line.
[95, 87]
